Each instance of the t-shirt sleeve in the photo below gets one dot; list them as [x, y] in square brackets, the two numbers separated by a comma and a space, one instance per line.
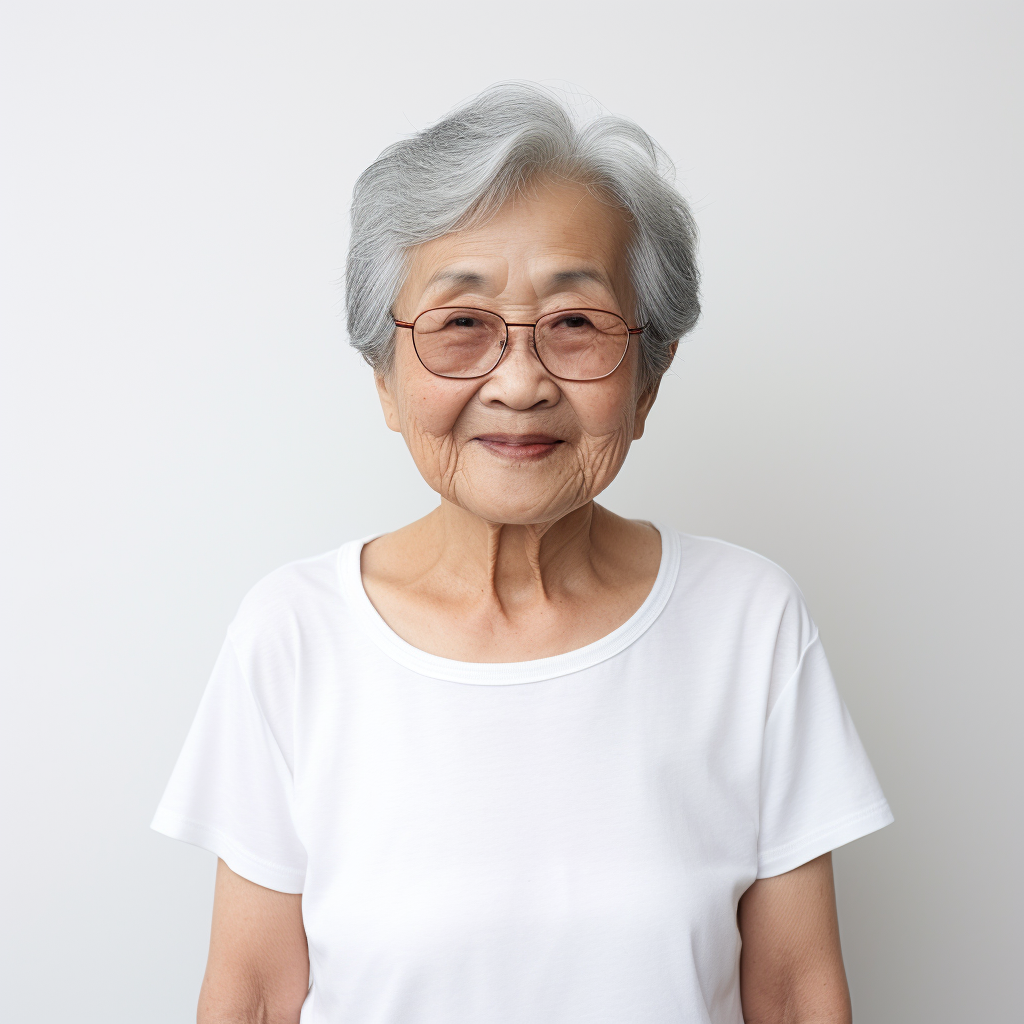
[818, 790]
[231, 789]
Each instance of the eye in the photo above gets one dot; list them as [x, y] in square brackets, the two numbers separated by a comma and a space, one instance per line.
[465, 322]
[576, 320]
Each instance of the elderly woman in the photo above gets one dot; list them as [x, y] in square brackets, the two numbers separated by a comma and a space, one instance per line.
[522, 761]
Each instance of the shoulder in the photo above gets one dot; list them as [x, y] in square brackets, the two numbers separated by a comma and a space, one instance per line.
[719, 565]
[742, 600]
[292, 604]
[287, 624]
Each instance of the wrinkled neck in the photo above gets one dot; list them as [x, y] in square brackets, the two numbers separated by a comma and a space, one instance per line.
[515, 564]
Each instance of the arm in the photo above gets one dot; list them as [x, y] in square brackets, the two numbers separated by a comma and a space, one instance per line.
[258, 969]
[791, 966]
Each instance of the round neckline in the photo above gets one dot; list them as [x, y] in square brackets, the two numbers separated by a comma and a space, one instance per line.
[502, 673]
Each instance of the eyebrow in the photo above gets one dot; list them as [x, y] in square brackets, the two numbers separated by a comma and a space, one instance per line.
[464, 278]
[581, 274]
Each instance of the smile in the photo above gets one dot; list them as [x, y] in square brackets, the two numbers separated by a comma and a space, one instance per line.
[519, 447]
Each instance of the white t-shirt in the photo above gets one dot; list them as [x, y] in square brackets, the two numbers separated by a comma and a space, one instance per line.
[559, 841]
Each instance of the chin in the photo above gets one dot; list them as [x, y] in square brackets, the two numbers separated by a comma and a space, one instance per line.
[513, 509]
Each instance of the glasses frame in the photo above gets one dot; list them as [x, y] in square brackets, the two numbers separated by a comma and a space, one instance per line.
[533, 343]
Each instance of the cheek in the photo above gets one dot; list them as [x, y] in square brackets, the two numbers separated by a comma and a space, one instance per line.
[604, 410]
[607, 408]
[429, 407]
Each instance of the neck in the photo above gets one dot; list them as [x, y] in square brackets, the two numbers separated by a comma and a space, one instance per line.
[515, 564]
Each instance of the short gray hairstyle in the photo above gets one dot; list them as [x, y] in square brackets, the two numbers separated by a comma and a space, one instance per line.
[461, 169]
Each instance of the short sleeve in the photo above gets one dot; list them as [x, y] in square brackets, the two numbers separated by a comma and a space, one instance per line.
[818, 790]
[231, 789]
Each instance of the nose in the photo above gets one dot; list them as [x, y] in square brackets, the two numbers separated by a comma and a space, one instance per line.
[519, 381]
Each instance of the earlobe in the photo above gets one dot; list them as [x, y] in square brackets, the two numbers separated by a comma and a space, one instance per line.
[387, 403]
[646, 401]
[643, 408]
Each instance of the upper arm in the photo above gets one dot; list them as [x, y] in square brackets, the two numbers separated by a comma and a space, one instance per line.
[258, 968]
[791, 964]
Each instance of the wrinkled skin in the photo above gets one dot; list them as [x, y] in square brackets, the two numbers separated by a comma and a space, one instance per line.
[517, 562]
[515, 260]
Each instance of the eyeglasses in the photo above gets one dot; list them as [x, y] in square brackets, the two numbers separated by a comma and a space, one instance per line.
[573, 344]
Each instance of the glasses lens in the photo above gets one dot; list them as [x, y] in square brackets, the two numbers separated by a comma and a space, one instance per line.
[458, 342]
[581, 344]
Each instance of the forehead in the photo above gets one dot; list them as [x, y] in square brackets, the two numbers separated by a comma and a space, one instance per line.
[557, 236]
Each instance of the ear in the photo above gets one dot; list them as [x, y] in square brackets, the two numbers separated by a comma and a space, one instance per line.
[645, 402]
[387, 402]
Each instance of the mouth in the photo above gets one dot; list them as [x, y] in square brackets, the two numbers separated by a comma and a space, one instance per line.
[520, 447]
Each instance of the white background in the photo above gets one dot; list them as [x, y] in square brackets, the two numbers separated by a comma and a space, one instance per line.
[181, 414]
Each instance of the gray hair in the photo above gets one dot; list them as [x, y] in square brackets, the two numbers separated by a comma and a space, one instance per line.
[461, 169]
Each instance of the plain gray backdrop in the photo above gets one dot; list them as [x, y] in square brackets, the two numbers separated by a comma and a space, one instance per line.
[181, 415]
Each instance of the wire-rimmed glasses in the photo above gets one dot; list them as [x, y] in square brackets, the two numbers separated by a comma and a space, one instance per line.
[572, 344]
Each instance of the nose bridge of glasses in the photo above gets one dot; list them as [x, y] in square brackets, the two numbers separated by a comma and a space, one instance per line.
[529, 334]
[519, 378]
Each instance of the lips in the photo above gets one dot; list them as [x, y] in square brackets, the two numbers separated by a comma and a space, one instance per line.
[519, 447]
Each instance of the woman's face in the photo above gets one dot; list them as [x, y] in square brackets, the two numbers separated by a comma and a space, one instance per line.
[519, 445]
